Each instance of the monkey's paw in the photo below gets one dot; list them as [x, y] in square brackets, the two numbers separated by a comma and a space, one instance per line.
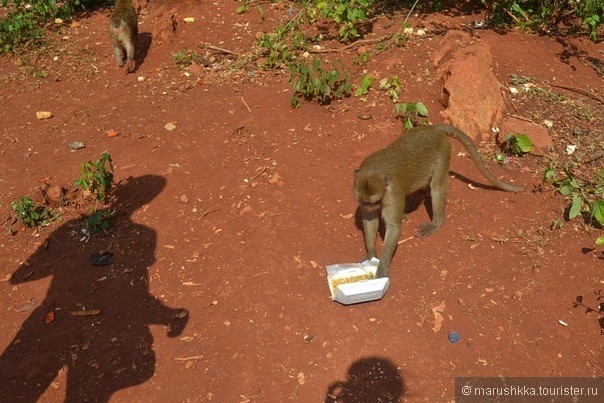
[426, 229]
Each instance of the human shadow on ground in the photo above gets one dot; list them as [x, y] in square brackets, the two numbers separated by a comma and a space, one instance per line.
[369, 379]
[94, 320]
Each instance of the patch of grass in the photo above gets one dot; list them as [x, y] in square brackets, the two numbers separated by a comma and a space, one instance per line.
[96, 178]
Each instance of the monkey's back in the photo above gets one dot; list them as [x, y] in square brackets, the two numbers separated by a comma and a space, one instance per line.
[412, 158]
[123, 23]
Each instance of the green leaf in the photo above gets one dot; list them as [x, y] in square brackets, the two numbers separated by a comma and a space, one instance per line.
[600, 241]
[597, 211]
[421, 109]
[549, 174]
[524, 143]
[365, 84]
[566, 190]
[575, 208]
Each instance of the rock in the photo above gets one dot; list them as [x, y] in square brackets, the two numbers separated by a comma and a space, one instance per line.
[538, 134]
[164, 24]
[470, 91]
[195, 69]
[452, 41]
[54, 196]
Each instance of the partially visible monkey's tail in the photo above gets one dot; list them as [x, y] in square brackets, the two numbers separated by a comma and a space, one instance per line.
[469, 145]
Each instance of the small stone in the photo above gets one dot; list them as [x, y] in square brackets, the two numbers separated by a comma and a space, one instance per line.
[43, 115]
[184, 199]
[454, 337]
[76, 145]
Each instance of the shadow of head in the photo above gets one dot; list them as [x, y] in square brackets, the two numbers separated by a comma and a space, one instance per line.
[134, 192]
[370, 379]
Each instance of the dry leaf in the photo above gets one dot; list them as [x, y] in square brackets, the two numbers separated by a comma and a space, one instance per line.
[50, 316]
[301, 378]
[112, 133]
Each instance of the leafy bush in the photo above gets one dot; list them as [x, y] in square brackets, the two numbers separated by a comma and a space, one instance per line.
[546, 14]
[586, 197]
[94, 177]
[314, 82]
[32, 215]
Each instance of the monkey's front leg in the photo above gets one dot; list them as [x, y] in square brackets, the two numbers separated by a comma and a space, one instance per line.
[371, 222]
[393, 231]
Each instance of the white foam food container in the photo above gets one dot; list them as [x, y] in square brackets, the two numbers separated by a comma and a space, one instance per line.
[352, 283]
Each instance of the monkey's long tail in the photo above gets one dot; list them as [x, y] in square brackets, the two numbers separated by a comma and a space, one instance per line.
[469, 145]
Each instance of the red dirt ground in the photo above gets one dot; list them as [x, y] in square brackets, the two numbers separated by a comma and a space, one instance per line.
[234, 213]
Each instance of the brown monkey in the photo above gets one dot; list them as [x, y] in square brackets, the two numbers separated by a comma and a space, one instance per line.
[415, 160]
[123, 30]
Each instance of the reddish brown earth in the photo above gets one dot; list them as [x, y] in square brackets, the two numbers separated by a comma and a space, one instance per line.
[234, 213]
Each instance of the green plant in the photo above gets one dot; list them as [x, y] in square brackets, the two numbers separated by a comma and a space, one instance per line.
[98, 221]
[517, 144]
[314, 81]
[392, 86]
[95, 178]
[276, 51]
[364, 87]
[586, 197]
[244, 7]
[26, 19]
[31, 215]
[346, 13]
[410, 112]
[546, 14]
[360, 59]
[184, 58]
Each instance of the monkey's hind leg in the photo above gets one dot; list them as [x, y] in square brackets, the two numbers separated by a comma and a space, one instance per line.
[438, 197]
[130, 51]
[118, 52]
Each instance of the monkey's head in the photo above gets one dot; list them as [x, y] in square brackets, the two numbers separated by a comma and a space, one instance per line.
[369, 189]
